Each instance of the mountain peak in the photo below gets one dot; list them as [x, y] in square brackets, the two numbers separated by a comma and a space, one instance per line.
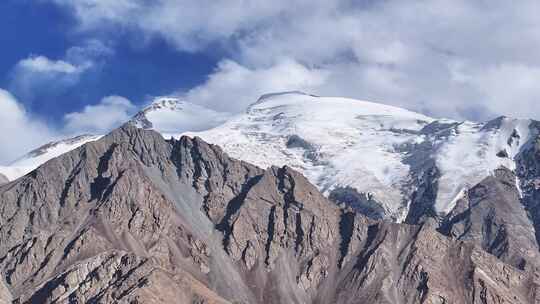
[275, 94]
[165, 102]
[172, 116]
[332, 105]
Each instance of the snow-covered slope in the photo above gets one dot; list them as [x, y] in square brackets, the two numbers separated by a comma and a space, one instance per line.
[472, 151]
[335, 142]
[37, 157]
[3, 179]
[370, 154]
[169, 115]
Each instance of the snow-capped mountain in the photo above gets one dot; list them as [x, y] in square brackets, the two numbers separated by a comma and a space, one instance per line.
[377, 156]
[335, 142]
[37, 157]
[386, 161]
[169, 115]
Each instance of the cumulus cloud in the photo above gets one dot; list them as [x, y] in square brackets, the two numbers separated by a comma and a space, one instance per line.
[109, 113]
[20, 132]
[42, 64]
[400, 52]
[41, 74]
[23, 132]
[183, 23]
[232, 87]
[38, 74]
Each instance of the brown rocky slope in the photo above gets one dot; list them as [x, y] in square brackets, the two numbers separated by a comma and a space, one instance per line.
[133, 218]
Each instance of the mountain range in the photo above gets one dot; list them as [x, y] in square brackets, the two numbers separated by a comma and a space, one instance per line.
[299, 199]
[380, 159]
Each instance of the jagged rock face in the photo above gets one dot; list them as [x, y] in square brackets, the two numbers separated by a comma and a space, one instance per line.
[528, 171]
[132, 218]
[491, 216]
[411, 264]
[117, 207]
[360, 201]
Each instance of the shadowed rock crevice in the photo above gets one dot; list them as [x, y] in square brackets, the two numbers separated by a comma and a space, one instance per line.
[423, 288]
[370, 246]
[270, 234]
[286, 186]
[421, 206]
[101, 182]
[346, 228]
[299, 233]
[233, 207]
[76, 171]
[361, 202]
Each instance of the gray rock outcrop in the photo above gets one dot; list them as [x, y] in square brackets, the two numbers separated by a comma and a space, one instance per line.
[492, 216]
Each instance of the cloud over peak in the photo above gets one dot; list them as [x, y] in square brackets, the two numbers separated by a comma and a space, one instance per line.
[400, 52]
[23, 132]
[42, 64]
[232, 86]
[109, 113]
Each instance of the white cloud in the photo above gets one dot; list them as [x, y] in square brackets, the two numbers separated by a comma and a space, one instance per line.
[510, 88]
[42, 64]
[109, 113]
[232, 87]
[89, 53]
[23, 132]
[400, 52]
[189, 25]
[20, 132]
[37, 74]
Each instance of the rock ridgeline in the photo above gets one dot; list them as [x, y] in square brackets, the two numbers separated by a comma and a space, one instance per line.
[133, 218]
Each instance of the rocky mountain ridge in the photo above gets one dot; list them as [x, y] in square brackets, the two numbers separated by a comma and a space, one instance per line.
[133, 218]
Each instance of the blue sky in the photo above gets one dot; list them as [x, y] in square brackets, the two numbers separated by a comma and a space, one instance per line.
[136, 72]
[85, 66]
